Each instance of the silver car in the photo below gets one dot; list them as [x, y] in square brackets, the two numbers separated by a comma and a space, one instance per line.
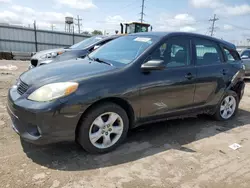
[47, 56]
[44, 57]
[245, 56]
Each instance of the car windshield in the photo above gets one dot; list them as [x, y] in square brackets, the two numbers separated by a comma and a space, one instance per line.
[87, 42]
[124, 49]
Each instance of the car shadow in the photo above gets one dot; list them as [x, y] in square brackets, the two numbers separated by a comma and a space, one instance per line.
[144, 141]
[247, 79]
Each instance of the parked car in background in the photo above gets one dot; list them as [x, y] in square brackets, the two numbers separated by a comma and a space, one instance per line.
[44, 57]
[135, 79]
[245, 56]
[78, 50]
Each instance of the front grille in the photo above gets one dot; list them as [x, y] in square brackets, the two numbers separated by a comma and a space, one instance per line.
[22, 87]
[34, 62]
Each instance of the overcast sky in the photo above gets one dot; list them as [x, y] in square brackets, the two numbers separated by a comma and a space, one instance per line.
[163, 15]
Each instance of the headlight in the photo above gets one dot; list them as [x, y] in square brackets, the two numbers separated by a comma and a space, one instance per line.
[44, 56]
[53, 91]
[51, 55]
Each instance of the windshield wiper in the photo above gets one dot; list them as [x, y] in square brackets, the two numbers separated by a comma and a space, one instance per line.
[101, 61]
[91, 59]
[98, 60]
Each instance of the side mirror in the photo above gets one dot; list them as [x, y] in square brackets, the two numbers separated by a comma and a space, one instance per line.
[153, 65]
[244, 57]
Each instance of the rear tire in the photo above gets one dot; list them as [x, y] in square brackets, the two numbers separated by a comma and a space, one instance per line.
[103, 128]
[227, 107]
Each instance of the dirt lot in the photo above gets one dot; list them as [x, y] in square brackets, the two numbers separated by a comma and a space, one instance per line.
[181, 153]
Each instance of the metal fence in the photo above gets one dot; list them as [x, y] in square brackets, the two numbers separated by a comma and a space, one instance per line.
[14, 38]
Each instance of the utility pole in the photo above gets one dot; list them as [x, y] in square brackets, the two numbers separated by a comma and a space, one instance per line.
[213, 23]
[73, 34]
[52, 27]
[78, 23]
[35, 32]
[142, 11]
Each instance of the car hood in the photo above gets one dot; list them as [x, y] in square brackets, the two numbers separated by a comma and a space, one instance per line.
[64, 71]
[41, 53]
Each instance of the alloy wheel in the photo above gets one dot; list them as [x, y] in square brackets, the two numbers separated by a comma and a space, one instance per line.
[106, 130]
[227, 107]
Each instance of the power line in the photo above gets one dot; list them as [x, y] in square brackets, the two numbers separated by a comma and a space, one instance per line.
[142, 11]
[78, 24]
[239, 27]
[206, 32]
[213, 23]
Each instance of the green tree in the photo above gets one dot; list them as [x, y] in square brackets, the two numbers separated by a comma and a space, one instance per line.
[97, 32]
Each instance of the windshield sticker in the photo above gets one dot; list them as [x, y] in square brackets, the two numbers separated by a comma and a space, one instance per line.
[142, 39]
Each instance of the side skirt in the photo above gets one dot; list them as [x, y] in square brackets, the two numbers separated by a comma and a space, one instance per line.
[175, 115]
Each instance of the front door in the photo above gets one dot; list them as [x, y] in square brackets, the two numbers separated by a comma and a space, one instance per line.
[170, 90]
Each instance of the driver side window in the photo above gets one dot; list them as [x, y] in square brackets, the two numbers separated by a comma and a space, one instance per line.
[174, 52]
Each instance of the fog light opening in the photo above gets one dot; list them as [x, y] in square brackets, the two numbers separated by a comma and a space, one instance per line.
[34, 130]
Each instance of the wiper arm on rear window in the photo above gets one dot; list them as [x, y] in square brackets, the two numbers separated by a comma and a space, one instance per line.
[101, 61]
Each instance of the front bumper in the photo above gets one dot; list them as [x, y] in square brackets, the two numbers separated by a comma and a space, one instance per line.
[42, 123]
[31, 66]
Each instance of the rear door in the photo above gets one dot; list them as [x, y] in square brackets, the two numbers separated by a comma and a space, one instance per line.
[212, 71]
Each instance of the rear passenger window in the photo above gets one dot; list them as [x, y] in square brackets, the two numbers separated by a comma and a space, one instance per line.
[207, 52]
[174, 52]
[231, 55]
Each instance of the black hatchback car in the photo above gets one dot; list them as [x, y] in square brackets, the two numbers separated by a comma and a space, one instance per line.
[129, 81]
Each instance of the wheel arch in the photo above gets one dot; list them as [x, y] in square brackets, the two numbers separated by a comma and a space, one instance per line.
[238, 88]
[116, 100]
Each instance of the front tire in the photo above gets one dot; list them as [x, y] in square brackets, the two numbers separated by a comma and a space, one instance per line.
[228, 107]
[103, 128]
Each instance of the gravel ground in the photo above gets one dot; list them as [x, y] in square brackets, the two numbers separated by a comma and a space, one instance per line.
[185, 153]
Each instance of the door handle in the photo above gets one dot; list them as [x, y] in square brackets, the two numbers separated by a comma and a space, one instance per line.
[189, 76]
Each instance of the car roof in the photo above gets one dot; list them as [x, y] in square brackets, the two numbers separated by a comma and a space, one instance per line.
[166, 34]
